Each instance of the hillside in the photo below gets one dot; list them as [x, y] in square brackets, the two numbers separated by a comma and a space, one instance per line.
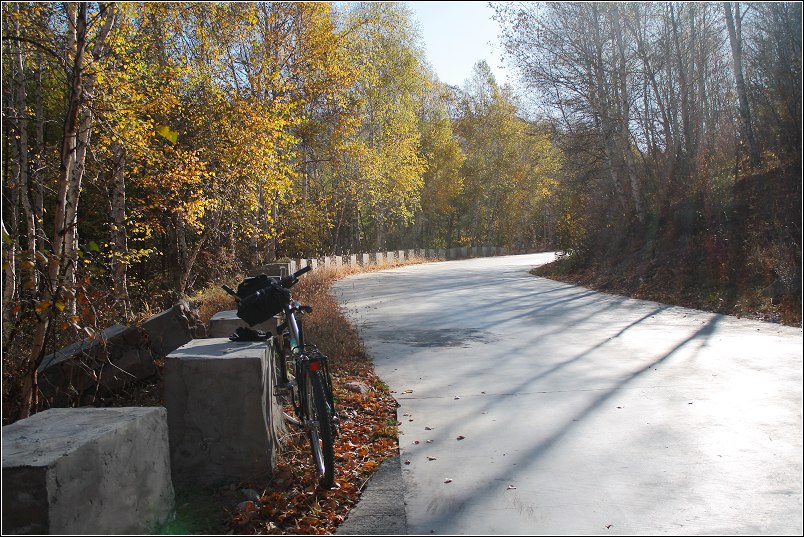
[744, 260]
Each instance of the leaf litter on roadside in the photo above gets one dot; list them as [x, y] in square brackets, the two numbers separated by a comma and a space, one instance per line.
[291, 503]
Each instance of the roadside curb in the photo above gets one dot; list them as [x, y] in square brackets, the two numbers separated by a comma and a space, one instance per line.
[381, 508]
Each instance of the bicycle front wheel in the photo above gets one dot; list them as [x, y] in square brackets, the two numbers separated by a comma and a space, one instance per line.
[319, 429]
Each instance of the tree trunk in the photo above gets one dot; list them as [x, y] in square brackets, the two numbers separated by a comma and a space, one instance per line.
[682, 58]
[734, 25]
[62, 233]
[180, 265]
[603, 108]
[379, 235]
[14, 178]
[117, 196]
[625, 118]
[75, 138]
[37, 175]
[191, 258]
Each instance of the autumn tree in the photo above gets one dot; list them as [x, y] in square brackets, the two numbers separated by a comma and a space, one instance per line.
[668, 117]
[321, 75]
[637, 84]
[734, 18]
[384, 163]
[75, 38]
[772, 57]
[509, 167]
[443, 182]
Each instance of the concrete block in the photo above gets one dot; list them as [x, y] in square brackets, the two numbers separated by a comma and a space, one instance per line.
[112, 359]
[80, 471]
[173, 328]
[224, 324]
[271, 269]
[223, 420]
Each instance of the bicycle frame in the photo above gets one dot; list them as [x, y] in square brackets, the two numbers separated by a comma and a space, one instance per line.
[296, 333]
[304, 361]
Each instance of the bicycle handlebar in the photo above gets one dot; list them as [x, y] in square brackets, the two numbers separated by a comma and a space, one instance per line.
[287, 282]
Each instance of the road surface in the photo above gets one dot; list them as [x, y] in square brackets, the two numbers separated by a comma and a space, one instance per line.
[530, 406]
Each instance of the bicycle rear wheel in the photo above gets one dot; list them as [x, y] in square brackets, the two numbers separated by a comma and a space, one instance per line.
[320, 430]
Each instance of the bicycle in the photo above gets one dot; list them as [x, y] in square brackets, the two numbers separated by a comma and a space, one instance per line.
[305, 382]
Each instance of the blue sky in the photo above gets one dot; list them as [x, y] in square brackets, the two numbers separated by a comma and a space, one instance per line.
[458, 34]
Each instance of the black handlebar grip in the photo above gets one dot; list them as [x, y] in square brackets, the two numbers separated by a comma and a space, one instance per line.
[302, 270]
[289, 281]
[230, 291]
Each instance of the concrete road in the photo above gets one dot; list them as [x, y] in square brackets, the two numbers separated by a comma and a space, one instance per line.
[530, 406]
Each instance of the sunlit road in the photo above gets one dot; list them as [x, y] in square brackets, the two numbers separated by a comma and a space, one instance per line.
[529, 406]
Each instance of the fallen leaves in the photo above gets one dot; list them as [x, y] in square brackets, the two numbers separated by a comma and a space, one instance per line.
[291, 503]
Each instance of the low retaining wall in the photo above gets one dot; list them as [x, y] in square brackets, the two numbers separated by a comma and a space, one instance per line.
[381, 258]
[108, 470]
[73, 375]
[173, 328]
[74, 471]
[117, 356]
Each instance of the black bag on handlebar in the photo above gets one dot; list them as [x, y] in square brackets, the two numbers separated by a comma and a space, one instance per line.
[251, 285]
[261, 298]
